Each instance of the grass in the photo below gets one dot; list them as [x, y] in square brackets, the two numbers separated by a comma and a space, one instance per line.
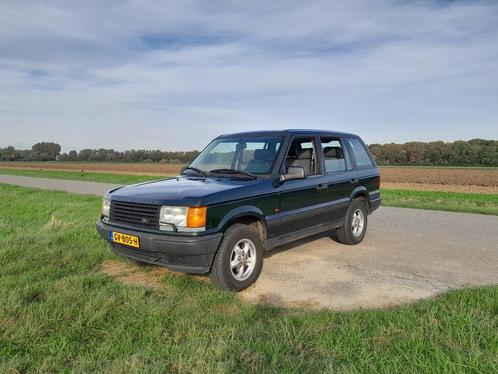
[81, 176]
[60, 313]
[448, 201]
[440, 167]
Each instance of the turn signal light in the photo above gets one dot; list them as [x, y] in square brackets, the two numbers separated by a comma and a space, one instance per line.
[196, 217]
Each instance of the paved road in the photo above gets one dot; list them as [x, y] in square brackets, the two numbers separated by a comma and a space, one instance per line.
[79, 187]
[408, 254]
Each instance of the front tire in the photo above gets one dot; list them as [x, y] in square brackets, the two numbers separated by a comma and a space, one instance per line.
[239, 259]
[354, 228]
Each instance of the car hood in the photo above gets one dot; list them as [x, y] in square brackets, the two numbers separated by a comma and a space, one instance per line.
[182, 191]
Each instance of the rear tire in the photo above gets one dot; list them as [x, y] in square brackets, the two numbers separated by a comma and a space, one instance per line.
[239, 259]
[354, 228]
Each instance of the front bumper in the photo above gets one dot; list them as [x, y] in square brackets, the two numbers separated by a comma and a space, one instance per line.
[191, 254]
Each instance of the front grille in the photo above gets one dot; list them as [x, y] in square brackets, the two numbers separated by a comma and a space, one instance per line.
[135, 214]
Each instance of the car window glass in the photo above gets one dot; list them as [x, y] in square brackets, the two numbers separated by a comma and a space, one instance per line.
[302, 153]
[307, 145]
[333, 155]
[258, 157]
[360, 154]
[221, 156]
[248, 153]
[245, 154]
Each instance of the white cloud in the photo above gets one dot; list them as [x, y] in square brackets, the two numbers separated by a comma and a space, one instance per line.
[171, 75]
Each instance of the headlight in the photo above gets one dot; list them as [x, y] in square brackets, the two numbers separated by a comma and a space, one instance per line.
[172, 215]
[106, 208]
[174, 218]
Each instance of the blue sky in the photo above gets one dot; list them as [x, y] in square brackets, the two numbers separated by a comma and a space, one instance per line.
[174, 74]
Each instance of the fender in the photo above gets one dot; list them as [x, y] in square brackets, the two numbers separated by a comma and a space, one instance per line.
[242, 211]
[359, 191]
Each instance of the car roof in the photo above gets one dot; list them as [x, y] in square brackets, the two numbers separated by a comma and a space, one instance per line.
[288, 132]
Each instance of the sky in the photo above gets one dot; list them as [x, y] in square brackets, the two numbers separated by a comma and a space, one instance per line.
[172, 75]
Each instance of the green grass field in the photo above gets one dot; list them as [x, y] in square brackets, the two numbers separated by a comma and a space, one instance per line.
[438, 167]
[448, 201]
[85, 176]
[60, 313]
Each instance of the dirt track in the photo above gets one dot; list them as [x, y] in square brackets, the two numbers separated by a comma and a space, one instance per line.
[408, 254]
[100, 167]
[468, 180]
[469, 188]
[487, 177]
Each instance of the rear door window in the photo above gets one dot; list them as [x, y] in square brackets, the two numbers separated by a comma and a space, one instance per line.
[302, 153]
[333, 155]
[360, 154]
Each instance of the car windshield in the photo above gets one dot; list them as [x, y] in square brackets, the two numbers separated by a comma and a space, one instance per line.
[244, 155]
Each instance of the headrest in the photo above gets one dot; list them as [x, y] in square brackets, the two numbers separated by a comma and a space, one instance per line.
[333, 152]
[305, 154]
[263, 154]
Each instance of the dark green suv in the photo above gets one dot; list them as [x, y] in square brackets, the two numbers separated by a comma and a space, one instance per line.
[245, 194]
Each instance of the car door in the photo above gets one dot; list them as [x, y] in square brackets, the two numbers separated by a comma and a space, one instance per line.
[339, 177]
[300, 200]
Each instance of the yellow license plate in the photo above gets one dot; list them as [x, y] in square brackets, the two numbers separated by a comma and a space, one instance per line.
[125, 239]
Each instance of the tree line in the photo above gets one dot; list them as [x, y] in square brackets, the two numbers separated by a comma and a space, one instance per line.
[44, 151]
[110, 155]
[475, 152]
[52, 152]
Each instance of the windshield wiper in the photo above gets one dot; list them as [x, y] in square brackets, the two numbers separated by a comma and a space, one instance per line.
[198, 171]
[234, 172]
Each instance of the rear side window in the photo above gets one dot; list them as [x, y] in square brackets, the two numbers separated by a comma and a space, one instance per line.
[302, 153]
[360, 153]
[333, 155]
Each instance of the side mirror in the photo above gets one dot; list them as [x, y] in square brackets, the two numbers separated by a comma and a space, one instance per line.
[293, 173]
[183, 169]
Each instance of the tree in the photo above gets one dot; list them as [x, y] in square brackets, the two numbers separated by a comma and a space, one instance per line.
[475, 152]
[72, 156]
[46, 151]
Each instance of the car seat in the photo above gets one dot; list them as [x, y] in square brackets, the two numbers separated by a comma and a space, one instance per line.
[262, 161]
[334, 159]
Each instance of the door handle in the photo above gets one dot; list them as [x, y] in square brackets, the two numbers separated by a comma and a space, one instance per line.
[354, 181]
[322, 187]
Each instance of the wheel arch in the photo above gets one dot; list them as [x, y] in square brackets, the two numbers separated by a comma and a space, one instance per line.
[360, 191]
[249, 215]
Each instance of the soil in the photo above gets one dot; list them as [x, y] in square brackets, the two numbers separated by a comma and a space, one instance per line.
[149, 276]
[441, 176]
[103, 167]
[440, 187]
[468, 180]
[407, 255]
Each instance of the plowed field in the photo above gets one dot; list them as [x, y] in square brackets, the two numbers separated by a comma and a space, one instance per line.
[441, 179]
[410, 178]
[100, 167]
